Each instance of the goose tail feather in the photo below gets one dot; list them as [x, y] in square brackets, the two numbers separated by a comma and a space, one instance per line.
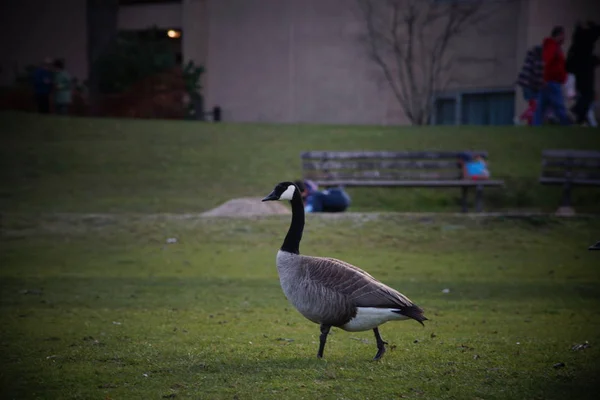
[415, 312]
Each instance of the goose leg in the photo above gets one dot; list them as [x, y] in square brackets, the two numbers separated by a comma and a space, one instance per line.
[323, 338]
[380, 344]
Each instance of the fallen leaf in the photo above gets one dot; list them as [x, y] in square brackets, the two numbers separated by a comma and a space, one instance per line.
[284, 339]
[107, 386]
[581, 346]
[32, 291]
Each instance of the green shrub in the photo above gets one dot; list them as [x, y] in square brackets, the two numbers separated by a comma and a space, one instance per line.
[131, 57]
[24, 76]
[191, 76]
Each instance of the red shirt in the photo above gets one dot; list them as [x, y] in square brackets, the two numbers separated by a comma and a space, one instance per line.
[554, 62]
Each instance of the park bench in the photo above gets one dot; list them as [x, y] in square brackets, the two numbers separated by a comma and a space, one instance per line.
[433, 169]
[569, 168]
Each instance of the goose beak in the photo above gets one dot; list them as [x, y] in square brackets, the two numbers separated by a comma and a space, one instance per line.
[272, 196]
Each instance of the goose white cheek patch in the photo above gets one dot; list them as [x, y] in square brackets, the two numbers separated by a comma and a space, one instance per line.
[288, 194]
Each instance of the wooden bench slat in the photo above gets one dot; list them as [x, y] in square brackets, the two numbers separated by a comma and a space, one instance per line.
[362, 155]
[442, 183]
[566, 153]
[561, 181]
[385, 175]
[572, 163]
[573, 175]
[378, 165]
[441, 169]
[569, 168]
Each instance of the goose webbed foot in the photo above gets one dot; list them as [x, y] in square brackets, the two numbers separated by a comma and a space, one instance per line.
[322, 339]
[380, 344]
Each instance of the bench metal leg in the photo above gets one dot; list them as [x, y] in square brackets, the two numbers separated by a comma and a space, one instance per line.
[465, 190]
[566, 209]
[566, 200]
[479, 198]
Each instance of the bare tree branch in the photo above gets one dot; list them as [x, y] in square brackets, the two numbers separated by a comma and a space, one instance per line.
[377, 42]
[410, 41]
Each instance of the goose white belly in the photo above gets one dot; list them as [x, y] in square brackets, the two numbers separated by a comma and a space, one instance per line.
[369, 317]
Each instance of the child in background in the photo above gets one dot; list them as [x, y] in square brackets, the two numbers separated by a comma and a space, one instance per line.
[530, 80]
[474, 166]
[62, 88]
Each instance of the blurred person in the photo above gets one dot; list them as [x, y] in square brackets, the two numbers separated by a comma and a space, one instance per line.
[62, 88]
[329, 200]
[474, 166]
[591, 116]
[530, 80]
[554, 75]
[582, 62]
[43, 77]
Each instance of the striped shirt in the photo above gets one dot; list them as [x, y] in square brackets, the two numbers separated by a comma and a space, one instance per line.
[532, 72]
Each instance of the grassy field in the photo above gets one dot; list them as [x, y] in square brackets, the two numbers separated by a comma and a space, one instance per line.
[105, 308]
[95, 302]
[88, 165]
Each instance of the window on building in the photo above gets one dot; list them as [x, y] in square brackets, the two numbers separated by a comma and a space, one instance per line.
[487, 109]
[483, 107]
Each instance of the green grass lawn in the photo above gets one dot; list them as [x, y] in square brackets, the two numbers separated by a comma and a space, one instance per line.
[105, 308]
[114, 165]
[95, 304]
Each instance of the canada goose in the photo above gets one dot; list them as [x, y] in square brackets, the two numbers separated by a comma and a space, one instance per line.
[331, 292]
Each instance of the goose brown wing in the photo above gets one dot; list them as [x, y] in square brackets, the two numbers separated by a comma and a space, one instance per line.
[360, 287]
[346, 265]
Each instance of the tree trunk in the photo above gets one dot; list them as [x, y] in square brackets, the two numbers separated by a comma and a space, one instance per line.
[102, 17]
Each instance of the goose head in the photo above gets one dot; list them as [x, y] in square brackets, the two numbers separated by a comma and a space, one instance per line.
[283, 191]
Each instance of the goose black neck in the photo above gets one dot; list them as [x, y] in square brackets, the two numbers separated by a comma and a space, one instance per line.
[291, 243]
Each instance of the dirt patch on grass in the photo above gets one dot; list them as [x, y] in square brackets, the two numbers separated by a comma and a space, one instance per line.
[253, 206]
[247, 207]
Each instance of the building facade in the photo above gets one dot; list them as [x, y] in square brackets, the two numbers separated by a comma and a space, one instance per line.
[302, 61]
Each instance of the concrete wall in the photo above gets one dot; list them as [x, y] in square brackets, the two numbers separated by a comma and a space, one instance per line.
[35, 29]
[195, 36]
[301, 61]
[486, 54]
[142, 16]
[290, 61]
[287, 60]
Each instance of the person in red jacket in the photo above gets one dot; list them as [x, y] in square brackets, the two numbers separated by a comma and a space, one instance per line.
[555, 75]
